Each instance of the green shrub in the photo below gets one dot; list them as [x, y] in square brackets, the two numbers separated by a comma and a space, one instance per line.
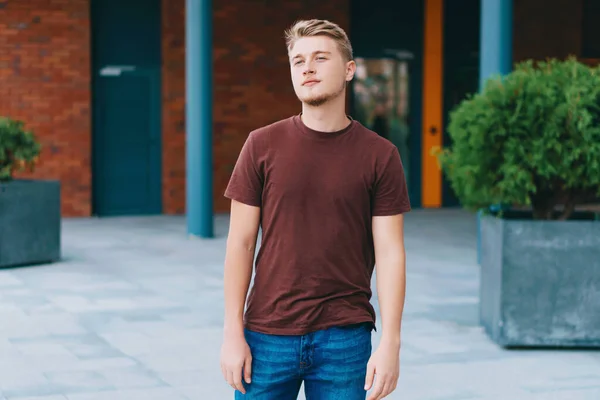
[528, 139]
[19, 148]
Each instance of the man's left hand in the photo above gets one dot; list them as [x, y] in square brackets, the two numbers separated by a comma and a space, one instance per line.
[384, 364]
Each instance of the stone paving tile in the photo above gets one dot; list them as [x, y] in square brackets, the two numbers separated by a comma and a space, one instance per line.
[135, 394]
[134, 311]
[59, 397]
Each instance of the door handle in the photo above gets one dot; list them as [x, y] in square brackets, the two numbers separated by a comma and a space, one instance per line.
[116, 70]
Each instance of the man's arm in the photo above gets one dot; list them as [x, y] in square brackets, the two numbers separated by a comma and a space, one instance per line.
[239, 258]
[390, 259]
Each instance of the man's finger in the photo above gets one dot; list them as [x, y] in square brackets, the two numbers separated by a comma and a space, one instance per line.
[379, 383]
[237, 380]
[386, 390]
[369, 377]
[248, 369]
[229, 378]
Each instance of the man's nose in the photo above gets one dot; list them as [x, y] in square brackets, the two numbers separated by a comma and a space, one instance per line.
[309, 69]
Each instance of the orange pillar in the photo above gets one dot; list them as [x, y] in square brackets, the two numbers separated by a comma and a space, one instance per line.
[432, 102]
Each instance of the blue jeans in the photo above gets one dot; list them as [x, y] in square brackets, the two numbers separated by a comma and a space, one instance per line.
[332, 363]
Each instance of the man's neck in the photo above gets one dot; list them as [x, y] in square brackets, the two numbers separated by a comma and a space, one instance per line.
[329, 117]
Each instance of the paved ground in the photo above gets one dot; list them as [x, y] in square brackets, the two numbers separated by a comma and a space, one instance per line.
[135, 312]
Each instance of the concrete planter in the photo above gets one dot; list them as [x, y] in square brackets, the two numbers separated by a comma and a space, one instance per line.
[30, 222]
[540, 281]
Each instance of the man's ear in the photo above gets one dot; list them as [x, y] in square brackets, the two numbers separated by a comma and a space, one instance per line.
[350, 70]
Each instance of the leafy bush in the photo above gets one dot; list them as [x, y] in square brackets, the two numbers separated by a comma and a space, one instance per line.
[528, 139]
[19, 148]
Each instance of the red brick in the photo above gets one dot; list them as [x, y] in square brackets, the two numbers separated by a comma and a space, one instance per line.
[45, 81]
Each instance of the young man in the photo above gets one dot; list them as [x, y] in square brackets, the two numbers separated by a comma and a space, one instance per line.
[329, 195]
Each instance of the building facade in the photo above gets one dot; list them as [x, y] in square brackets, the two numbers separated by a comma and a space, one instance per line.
[103, 83]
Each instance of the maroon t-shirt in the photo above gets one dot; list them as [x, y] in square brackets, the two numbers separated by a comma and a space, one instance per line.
[318, 192]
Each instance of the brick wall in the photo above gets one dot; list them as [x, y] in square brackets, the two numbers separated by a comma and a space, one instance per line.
[173, 112]
[546, 28]
[252, 84]
[45, 81]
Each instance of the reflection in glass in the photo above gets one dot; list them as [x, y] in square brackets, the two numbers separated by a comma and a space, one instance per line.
[381, 89]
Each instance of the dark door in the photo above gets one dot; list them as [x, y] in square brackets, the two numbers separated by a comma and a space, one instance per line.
[126, 107]
[461, 67]
[381, 92]
[387, 37]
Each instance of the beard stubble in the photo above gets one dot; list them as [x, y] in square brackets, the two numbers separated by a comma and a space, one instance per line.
[318, 101]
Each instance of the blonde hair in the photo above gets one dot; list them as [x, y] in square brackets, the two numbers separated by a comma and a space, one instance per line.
[318, 27]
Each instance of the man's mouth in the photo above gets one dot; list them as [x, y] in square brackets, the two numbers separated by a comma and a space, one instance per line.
[310, 82]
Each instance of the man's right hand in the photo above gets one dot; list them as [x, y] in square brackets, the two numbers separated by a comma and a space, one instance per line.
[236, 360]
[241, 245]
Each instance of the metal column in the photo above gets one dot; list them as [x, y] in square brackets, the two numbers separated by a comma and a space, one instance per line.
[495, 51]
[199, 153]
[495, 46]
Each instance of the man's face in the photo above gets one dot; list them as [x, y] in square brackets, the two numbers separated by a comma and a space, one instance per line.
[319, 72]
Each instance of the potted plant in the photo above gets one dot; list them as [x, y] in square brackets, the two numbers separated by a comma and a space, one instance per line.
[526, 151]
[29, 208]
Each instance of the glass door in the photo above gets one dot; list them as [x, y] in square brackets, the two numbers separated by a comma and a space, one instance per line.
[380, 100]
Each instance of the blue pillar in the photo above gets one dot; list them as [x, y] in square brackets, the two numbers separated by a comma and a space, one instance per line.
[495, 46]
[495, 53]
[198, 109]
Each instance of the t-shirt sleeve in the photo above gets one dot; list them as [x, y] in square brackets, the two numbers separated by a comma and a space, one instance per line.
[390, 195]
[246, 181]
